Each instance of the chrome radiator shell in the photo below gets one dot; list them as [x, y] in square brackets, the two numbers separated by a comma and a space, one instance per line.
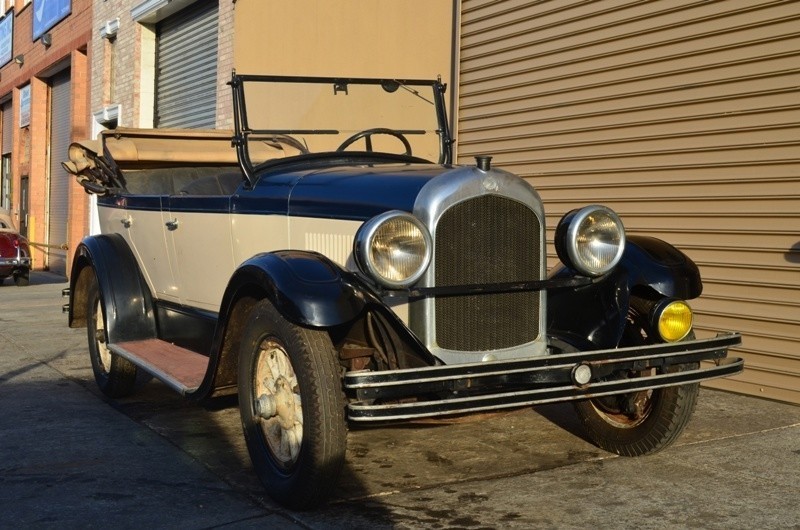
[487, 227]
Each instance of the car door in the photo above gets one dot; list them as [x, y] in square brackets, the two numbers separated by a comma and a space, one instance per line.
[198, 229]
[141, 222]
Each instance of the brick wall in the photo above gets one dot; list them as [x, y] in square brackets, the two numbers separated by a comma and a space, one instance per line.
[123, 70]
[70, 40]
[132, 74]
[105, 73]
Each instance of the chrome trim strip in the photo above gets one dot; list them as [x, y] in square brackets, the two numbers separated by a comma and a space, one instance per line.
[366, 379]
[362, 412]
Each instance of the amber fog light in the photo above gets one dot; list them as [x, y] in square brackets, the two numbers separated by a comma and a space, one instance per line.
[674, 320]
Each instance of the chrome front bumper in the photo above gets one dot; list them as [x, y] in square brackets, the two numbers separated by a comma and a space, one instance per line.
[456, 389]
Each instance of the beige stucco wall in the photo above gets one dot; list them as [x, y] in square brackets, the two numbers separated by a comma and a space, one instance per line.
[379, 38]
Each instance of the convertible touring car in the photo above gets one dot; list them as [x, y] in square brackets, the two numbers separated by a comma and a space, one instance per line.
[327, 262]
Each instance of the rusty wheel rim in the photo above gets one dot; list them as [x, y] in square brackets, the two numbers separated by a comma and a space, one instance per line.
[277, 405]
[640, 405]
[100, 337]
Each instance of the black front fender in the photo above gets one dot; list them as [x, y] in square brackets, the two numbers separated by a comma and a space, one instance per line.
[651, 262]
[594, 316]
[306, 287]
[126, 298]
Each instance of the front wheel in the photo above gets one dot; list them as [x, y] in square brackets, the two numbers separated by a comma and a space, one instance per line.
[292, 408]
[640, 423]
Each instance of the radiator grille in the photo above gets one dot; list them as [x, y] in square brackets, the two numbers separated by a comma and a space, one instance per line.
[487, 240]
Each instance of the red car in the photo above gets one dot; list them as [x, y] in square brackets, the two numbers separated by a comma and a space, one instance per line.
[15, 255]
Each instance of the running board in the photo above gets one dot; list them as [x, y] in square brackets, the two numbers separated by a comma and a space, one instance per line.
[180, 369]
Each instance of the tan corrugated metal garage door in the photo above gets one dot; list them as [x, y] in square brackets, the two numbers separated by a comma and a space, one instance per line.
[683, 116]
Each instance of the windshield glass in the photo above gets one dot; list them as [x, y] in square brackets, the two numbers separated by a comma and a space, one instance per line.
[313, 115]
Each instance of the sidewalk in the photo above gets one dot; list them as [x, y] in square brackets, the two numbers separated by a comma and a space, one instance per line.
[72, 458]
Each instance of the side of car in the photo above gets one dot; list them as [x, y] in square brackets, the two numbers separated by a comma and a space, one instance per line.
[327, 285]
[15, 254]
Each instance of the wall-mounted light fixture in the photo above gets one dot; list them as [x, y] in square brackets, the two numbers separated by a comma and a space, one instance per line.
[47, 39]
[19, 59]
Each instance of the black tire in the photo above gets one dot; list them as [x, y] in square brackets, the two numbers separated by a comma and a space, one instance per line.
[613, 424]
[292, 369]
[115, 375]
[22, 279]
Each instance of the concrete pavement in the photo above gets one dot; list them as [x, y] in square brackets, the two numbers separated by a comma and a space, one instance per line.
[73, 459]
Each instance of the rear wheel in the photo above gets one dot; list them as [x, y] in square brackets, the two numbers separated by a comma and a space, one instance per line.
[292, 408]
[115, 375]
[640, 423]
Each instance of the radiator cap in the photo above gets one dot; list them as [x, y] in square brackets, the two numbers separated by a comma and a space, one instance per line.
[483, 162]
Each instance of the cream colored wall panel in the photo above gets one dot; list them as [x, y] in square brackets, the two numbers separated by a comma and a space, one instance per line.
[683, 116]
[379, 38]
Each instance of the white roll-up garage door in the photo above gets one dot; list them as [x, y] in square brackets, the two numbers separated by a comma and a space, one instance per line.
[683, 116]
[186, 80]
[60, 137]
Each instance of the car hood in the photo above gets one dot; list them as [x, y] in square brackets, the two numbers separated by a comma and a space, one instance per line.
[356, 192]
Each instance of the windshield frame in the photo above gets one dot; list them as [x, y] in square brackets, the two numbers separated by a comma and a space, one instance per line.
[243, 131]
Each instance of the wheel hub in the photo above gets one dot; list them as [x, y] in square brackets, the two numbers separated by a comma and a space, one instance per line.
[277, 403]
[280, 404]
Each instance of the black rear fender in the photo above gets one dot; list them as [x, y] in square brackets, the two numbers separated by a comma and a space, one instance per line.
[123, 291]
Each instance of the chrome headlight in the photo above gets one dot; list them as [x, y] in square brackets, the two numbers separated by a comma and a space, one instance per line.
[394, 248]
[590, 240]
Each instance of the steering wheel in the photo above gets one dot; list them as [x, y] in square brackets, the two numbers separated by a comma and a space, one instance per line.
[367, 135]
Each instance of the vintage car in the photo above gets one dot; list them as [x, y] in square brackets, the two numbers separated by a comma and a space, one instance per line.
[15, 254]
[327, 262]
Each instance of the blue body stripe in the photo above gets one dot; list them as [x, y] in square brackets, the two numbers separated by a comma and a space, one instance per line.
[352, 193]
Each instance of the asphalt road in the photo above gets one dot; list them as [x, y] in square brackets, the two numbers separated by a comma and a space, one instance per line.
[72, 458]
